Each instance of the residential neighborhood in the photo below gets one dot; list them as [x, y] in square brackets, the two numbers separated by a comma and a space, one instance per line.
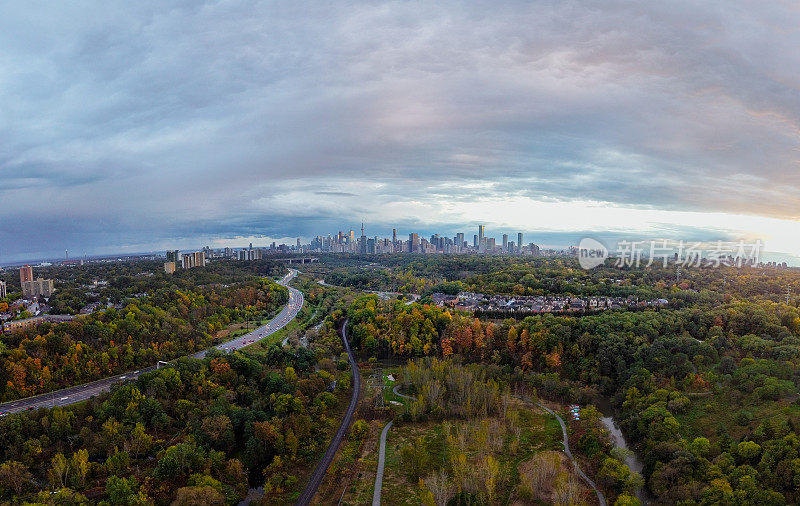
[471, 301]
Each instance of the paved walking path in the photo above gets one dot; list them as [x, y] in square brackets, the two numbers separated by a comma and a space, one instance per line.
[600, 497]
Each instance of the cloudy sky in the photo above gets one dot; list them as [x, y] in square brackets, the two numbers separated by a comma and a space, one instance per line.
[131, 126]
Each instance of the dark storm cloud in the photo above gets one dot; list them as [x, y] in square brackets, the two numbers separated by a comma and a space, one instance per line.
[137, 124]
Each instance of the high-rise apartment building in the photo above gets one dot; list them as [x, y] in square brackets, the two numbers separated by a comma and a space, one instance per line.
[196, 259]
[169, 267]
[394, 236]
[25, 273]
[481, 233]
[37, 288]
[3, 291]
[174, 256]
[505, 242]
[519, 242]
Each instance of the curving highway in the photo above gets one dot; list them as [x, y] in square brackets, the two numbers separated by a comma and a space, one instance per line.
[322, 467]
[88, 390]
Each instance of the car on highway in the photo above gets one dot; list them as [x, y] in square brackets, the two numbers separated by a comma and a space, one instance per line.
[4, 413]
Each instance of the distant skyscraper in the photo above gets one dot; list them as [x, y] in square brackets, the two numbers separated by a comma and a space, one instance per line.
[505, 242]
[169, 267]
[394, 236]
[481, 233]
[413, 243]
[460, 239]
[475, 240]
[174, 256]
[3, 292]
[298, 243]
[25, 273]
[519, 242]
[363, 241]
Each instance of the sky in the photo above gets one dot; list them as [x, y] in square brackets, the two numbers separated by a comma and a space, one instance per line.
[138, 126]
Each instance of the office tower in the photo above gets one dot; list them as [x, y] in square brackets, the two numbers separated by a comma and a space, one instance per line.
[460, 239]
[481, 233]
[298, 243]
[505, 242]
[511, 246]
[363, 240]
[243, 255]
[413, 243]
[25, 273]
[394, 236]
[519, 242]
[475, 240]
[351, 237]
[3, 291]
[169, 267]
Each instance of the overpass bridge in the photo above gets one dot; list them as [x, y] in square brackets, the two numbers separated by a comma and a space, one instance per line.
[298, 260]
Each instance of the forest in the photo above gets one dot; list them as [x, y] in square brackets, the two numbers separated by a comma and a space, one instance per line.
[706, 388]
[214, 427]
[174, 317]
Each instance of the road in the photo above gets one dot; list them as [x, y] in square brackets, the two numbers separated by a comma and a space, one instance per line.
[322, 467]
[600, 497]
[86, 391]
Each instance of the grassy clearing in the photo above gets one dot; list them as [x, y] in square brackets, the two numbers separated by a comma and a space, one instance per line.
[513, 441]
